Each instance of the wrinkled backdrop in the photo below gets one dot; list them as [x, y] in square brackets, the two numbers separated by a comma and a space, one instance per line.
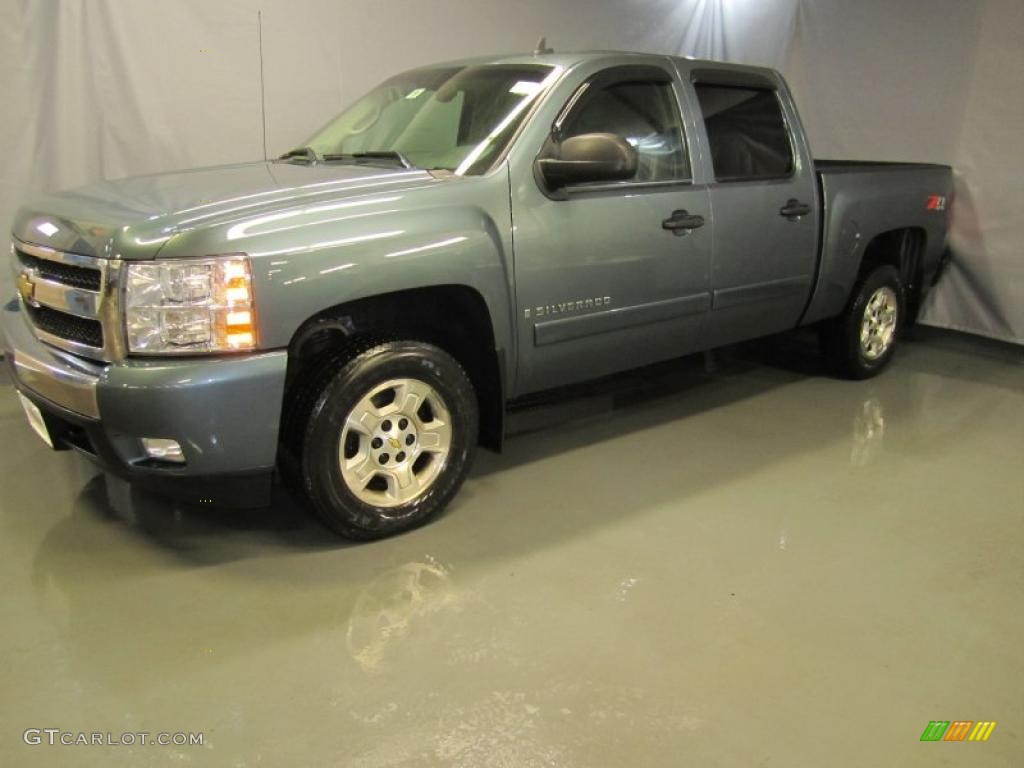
[105, 88]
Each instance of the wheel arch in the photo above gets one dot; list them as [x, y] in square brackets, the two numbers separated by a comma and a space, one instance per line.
[454, 317]
[903, 248]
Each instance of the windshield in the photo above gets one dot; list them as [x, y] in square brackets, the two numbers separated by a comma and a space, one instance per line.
[448, 118]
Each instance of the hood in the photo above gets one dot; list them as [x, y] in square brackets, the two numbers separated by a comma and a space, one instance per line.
[132, 218]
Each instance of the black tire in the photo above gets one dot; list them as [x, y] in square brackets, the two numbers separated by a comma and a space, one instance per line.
[350, 379]
[841, 338]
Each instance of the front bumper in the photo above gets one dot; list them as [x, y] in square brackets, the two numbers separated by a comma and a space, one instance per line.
[224, 412]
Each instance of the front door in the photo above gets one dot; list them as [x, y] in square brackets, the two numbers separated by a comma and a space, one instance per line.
[613, 276]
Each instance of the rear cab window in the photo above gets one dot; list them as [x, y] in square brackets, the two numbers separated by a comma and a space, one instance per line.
[747, 132]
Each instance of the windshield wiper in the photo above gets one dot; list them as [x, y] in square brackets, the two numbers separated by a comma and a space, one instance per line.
[302, 153]
[381, 154]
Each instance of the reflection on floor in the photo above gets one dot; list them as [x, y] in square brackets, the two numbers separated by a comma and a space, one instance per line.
[747, 563]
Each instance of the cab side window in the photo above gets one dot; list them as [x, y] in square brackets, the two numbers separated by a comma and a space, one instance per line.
[644, 113]
[748, 134]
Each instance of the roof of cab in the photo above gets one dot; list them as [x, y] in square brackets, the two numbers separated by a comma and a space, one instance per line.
[571, 58]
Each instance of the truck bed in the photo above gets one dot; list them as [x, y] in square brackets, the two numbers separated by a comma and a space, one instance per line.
[861, 200]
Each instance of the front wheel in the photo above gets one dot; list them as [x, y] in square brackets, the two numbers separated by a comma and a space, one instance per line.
[389, 440]
[862, 340]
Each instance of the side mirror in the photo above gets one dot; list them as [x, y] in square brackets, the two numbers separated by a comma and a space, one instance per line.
[589, 157]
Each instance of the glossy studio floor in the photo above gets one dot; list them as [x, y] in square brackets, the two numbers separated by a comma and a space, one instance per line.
[729, 564]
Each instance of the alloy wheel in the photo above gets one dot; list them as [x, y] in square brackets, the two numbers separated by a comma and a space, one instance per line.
[878, 326]
[395, 442]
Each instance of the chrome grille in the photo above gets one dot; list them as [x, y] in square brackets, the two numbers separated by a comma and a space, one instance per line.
[66, 274]
[70, 300]
[80, 330]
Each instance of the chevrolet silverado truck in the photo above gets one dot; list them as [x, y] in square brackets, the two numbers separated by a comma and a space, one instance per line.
[357, 315]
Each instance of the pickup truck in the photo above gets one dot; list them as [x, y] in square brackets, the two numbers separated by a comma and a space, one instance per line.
[357, 316]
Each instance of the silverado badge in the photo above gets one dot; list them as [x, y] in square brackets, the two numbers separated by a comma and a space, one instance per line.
[576, 305]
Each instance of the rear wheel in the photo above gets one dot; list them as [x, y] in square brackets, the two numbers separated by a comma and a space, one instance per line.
[389, 439]
[862, 340]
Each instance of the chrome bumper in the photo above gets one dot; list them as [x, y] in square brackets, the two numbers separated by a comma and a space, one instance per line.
[61, 378]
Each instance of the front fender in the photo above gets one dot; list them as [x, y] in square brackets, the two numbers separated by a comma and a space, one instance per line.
[455, 231]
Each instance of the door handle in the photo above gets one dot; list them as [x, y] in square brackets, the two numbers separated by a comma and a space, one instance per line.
[682, 222]
[794, 209]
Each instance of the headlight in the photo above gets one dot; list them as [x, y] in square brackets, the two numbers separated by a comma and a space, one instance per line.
[190, 306]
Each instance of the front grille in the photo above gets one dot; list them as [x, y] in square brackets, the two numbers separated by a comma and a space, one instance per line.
[67, 297]
[66, 274]
[79, 330]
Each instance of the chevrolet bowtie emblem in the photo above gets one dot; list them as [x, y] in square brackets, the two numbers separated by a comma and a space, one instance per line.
[393, 442]
[26, 288]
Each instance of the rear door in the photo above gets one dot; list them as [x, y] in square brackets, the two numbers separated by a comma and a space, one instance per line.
[764, 201]
[602, 283]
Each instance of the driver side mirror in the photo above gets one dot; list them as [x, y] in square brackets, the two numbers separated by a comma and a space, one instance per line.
[588, 157]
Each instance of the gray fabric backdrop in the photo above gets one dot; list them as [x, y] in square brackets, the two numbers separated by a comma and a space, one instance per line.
[105, 88]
